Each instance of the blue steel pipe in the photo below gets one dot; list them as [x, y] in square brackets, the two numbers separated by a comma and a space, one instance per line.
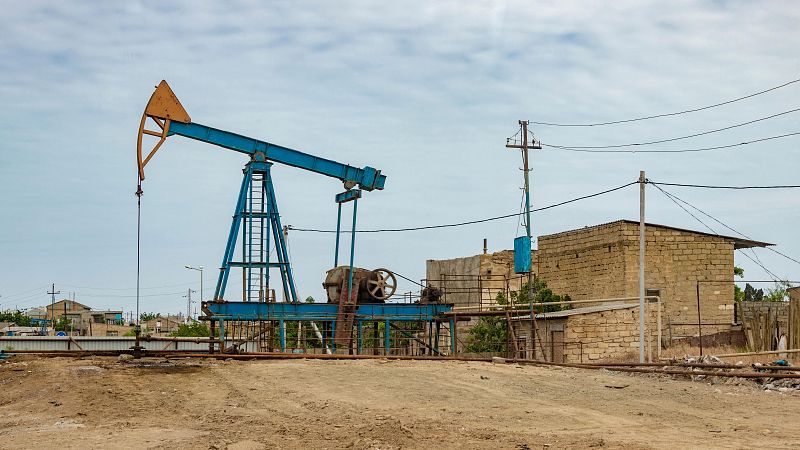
[338, 230]
[229, 248]
[367, 178]
[352, 250]
[395, 312]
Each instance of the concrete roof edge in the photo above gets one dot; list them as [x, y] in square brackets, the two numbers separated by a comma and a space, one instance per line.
[738, 241]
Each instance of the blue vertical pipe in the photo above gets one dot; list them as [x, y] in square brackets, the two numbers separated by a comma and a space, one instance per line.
[265, 231]
[282, 333]
[222, 335]
[338, 229]
[352, 250]
[387, 341]
[222, 281]
[247, 242]
[280, 244]
[333, 334]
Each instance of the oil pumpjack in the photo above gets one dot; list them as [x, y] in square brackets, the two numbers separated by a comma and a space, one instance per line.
[355, 295]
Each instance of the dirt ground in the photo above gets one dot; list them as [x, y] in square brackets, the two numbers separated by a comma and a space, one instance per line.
[376, 404]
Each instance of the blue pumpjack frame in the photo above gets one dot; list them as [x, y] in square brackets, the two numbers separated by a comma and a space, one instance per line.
[328, 312]
[244, 218]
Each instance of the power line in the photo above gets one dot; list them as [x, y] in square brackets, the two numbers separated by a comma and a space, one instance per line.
[690, 150]
[128, 296]
[686, 111]
[472, 222]
[689, 136]
[23, 293]
[705, 186]
[133, 288]
[728, 227]
[675, 200]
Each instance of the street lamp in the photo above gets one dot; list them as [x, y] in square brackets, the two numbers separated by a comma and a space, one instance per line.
[200, 269]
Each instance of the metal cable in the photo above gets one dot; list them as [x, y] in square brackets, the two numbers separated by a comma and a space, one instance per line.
[705, 186]
[688, 136]
[472, 222]
[691, 150]
[686, 111]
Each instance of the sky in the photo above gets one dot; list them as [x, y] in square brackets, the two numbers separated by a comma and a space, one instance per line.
[427, 92]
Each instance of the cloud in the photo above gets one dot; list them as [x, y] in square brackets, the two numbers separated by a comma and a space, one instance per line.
[425, 91]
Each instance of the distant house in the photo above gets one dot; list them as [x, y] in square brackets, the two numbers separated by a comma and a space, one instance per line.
[69, 308]
[163, 325]
[37, 313]
[81, 317]
[11, 329]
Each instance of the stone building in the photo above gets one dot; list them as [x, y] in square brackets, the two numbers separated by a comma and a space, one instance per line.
[587, 334]
[602, 262]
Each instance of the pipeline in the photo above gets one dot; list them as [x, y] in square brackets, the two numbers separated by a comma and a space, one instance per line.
[617, 367]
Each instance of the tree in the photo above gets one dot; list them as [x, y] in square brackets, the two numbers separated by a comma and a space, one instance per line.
[543, 295]
[17, 317]
[192, 329]
[752, 294]
[490, 334]
[778, 293]
[146, 316]
[738, 293]
[63, 324]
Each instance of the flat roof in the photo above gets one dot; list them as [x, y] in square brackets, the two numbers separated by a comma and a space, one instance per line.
[738, 242]
[578, 311]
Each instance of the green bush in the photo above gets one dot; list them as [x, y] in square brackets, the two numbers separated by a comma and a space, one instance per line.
[192, 329]
[17, 317]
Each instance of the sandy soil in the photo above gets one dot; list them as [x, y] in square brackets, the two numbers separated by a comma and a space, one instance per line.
[105, 403]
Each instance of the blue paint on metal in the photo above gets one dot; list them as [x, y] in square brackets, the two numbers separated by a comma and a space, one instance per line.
[367, 178]
[338, 231]
[394, 312]
[348, 195]
[282, 332]
[333, 334]
[267, 208]
[387, 337]
[522, 254]
[289, 289]
[227, 256]
[352, 251]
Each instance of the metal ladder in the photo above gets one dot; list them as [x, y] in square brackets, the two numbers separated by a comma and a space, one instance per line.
[256, 246]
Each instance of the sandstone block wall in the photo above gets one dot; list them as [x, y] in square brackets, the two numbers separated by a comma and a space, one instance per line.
[593, 337]
[676, 263]
[603, 262]
[586, 264]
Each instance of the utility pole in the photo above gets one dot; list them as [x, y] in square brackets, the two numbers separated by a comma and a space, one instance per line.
[200, 269]
[189, 305]
[525, 147]
[53, 293]
[642, 183]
